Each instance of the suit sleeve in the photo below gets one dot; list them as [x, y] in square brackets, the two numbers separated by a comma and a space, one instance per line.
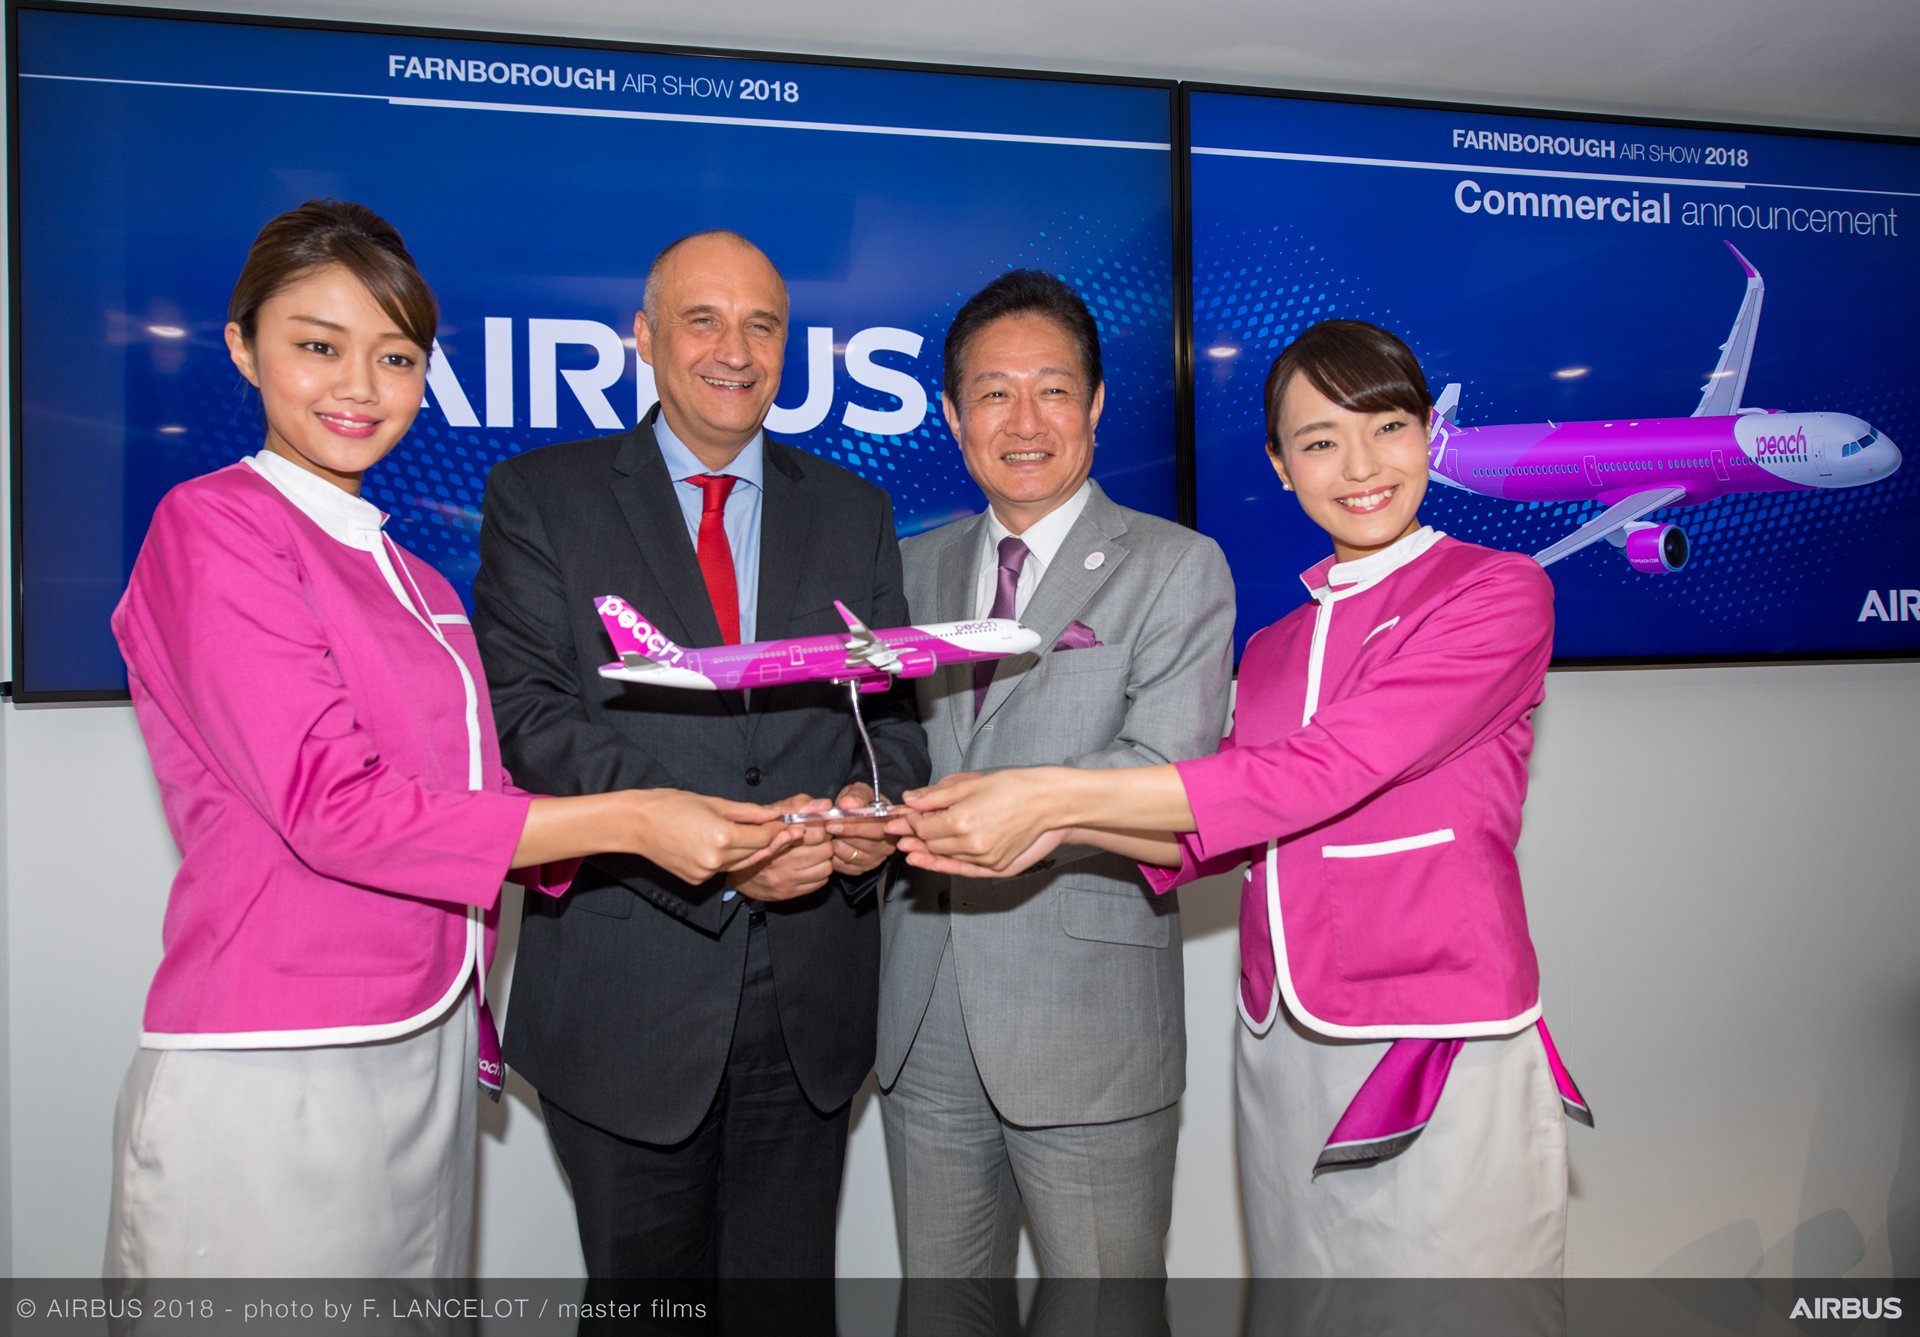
[1195, 865]
[1178, 677]
[218, 632]
[1473, 669]
[1181, 667]
[547, 736]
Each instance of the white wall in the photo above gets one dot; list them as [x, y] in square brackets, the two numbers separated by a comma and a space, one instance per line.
[1721, 865]
[1722, 871]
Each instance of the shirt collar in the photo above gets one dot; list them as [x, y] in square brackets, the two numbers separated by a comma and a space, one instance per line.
[749, 466]
[1044, 536]
[1332, 579]
[345, 518]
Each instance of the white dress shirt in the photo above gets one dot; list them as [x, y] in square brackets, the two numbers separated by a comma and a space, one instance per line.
[1043, 539]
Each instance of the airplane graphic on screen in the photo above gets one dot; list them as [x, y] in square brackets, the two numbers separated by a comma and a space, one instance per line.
[1638, 466]
[869, 660]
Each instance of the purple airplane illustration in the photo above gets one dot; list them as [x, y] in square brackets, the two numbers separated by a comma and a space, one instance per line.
[863, 660]
[1637, 466]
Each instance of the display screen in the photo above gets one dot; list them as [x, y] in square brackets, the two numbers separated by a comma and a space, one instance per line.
[533, 183]
[1681, 359]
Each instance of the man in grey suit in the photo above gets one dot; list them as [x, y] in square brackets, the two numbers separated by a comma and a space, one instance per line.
[1032, 1042]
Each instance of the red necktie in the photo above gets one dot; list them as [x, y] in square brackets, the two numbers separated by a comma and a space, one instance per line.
[716, 554]
[1013, 556]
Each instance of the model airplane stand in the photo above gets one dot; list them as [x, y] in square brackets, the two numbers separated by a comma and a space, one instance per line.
[879, 809]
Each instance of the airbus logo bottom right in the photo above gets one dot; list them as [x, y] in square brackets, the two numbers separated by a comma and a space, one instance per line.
[1849, 1306]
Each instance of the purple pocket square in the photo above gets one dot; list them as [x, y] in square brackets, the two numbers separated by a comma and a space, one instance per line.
[1077, 636]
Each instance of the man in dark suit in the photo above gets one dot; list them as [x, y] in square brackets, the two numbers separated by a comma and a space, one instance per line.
[696, 1047]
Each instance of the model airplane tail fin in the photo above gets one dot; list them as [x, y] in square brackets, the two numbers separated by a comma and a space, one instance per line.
[637, 641]
[1446, 406]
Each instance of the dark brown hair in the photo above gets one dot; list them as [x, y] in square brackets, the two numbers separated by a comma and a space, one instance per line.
[335, 232]
[1360, 367]
[1023, 292]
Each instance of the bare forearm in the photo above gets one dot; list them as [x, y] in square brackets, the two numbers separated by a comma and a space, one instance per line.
[1161, 849]
[572, 828]
[1134, 803]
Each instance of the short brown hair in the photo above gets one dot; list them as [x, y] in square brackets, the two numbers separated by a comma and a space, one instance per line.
[336, 232]
[1023, 292]
[1360, 367]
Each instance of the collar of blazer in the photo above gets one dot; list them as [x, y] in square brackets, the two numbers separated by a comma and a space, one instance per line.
[1063, 592]
[644, 493]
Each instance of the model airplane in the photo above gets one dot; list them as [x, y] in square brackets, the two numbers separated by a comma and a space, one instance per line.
[870, 660]
[863, 660]
[1640, 465]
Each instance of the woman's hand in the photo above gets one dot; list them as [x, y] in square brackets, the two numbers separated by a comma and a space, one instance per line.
[696, 837]
[995, 824]
[916, 853]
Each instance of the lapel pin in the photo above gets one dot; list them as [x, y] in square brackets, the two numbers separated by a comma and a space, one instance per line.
[1095, 560]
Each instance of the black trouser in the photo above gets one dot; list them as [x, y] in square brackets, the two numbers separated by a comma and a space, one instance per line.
[753, 1192]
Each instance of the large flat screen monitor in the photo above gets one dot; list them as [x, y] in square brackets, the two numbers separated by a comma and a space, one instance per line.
[1676, 362]
[533, 182]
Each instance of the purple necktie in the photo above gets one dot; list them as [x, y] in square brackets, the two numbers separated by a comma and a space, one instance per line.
[1013, 556]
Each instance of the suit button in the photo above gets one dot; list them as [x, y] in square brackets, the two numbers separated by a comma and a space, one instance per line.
[946, 899]
[753, 775]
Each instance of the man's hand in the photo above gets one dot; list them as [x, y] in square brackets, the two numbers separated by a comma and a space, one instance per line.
[858, 847]
[797, 869]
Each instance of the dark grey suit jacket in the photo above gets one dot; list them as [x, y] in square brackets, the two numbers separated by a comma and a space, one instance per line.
[625, 990]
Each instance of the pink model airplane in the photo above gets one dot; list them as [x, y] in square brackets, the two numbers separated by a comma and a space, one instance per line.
[868, 660]
[1635, 466]
[863, 660]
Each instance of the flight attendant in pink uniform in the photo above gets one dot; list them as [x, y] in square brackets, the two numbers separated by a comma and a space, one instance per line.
[1400, 1102]
[303, 1101]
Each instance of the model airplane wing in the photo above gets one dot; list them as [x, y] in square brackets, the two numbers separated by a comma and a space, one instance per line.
[1620, 514]
[1720, 396]
[864, 649]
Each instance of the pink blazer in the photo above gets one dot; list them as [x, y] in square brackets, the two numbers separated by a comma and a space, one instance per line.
[1374, 776]
[314, 707]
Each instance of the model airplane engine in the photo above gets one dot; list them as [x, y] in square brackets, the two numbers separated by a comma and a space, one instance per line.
[1656, 549]
[872, 685]
[915, 662]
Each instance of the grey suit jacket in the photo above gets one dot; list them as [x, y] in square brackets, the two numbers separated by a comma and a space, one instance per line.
[1070, 974]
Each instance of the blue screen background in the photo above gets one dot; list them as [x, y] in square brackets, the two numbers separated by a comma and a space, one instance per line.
[1500, 303]
[137, 204]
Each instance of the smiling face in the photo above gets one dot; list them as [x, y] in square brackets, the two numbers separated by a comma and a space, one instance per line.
[1026, 416]
[339, 383]
[715, 333]
[1359, 476]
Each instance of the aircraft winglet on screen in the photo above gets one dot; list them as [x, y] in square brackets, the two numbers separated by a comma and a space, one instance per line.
[868, 659]
[1637, 466]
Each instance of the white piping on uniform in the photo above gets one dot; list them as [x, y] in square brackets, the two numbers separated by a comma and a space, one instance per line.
[1378, 1030]
[1400, 846]
[355, 522]
[1353, 577]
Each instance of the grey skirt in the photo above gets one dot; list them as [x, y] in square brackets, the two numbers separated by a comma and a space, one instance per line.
[1481, 1193]
[340, 1161]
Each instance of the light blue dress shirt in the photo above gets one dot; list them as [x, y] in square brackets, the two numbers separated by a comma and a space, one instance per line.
[742, 518]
